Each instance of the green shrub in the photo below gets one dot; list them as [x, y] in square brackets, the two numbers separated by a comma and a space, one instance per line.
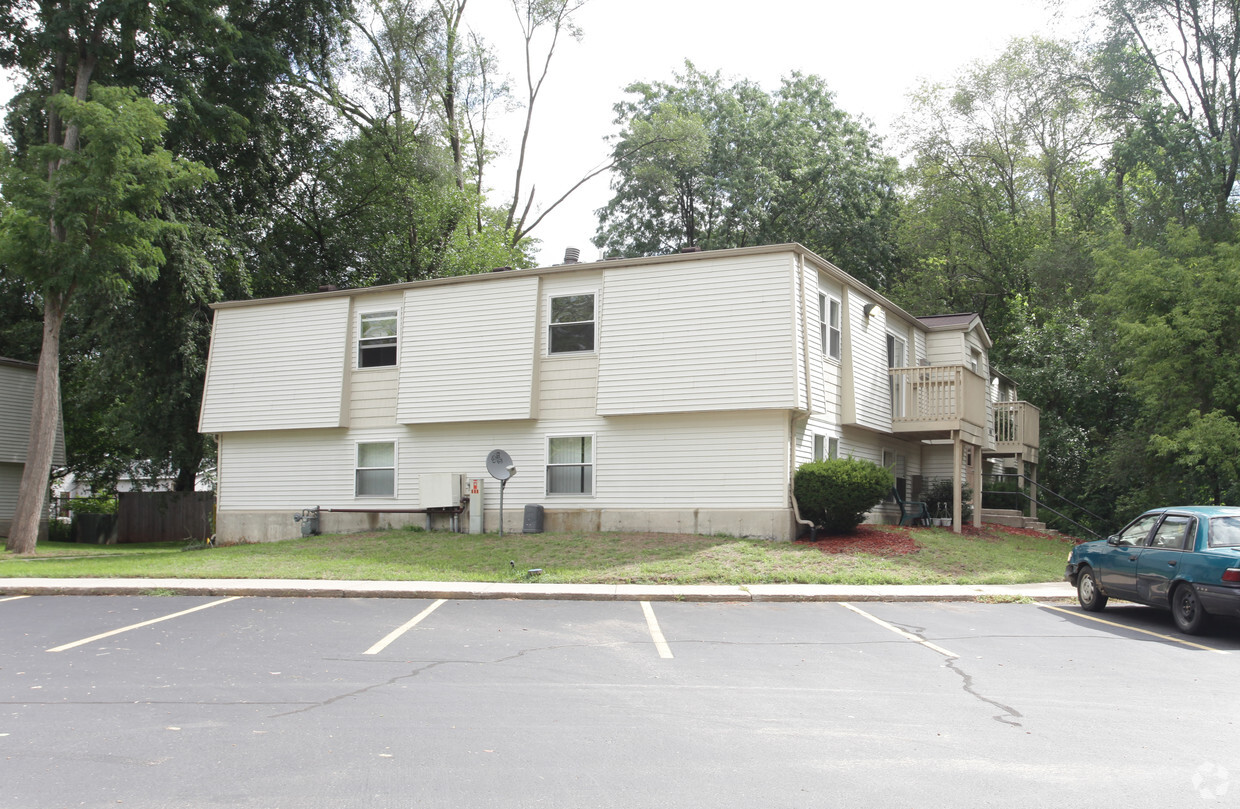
[1003, 492]
[937, 495]
[837, 493]
[93, 504]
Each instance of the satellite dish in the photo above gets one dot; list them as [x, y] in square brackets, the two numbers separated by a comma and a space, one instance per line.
[499, 464]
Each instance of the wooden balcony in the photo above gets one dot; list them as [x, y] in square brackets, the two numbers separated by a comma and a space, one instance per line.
[1017, 427]
[932, 401]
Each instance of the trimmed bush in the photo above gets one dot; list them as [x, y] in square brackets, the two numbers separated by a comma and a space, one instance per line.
[837, 493]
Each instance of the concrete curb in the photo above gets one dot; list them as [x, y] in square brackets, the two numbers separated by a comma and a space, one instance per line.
[297, 588]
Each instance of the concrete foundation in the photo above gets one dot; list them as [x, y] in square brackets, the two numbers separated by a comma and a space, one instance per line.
[270, 526]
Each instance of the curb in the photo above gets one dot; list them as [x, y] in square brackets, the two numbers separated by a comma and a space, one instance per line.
[290, 588]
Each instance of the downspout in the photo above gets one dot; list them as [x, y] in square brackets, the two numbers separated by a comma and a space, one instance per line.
[798, 520]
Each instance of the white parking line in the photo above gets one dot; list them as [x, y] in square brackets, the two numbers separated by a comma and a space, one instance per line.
[84, 641]
[13, 598]
[402, 629]
[656, 634]
[1079, 614]
[899, 631]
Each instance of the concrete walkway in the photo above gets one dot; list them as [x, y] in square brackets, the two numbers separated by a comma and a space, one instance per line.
[1049, 591]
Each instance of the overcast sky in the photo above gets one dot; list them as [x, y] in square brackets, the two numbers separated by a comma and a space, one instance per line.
[872, 54]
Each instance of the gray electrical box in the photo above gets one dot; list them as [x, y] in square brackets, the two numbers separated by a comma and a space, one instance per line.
[533, 519]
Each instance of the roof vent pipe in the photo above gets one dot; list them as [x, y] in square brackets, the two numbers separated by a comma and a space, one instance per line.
[327, 288]
[501, 269]
[692, 248]
[572, 255]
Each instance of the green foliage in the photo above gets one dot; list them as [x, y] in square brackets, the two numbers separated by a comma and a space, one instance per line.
[837, 493]
[938, 497]
[702, 162]
[93, 504]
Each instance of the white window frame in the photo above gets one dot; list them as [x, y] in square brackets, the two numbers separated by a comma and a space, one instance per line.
[593, 293]
[826, 447]
[357, 457]
[593, 464]
[357, 352]
[830, 314]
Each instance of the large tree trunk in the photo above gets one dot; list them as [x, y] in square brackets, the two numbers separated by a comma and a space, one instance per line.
[43, 419]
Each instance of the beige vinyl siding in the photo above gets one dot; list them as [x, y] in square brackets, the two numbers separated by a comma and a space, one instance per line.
[295, 469]
[868, 337]
[277, 366]
[698, 336]
[946, 348]
[918, 347]
[372, 398]
[566, 387]
[467, 352]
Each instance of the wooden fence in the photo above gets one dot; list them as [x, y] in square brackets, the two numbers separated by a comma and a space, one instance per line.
[164, 516]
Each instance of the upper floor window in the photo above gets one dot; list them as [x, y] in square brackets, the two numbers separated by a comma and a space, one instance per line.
[829, 318]
[376, 339]
[571, 325]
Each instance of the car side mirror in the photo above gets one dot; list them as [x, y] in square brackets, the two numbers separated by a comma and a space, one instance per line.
[1113, 540]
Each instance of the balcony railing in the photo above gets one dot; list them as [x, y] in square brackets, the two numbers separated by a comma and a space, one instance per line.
[1017, 426]
[938, 398]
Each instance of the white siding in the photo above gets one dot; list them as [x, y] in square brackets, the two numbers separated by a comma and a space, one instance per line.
[946, 348]
[567, 387]
[467, 352]
[277, 366]
[698, 336]
[372, 398]
[869, 365]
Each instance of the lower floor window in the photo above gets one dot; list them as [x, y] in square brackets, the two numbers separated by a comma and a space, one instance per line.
[826, 448]
[376, 469]
[570, 465]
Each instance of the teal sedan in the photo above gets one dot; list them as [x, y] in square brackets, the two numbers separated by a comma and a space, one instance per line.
[1185, 559]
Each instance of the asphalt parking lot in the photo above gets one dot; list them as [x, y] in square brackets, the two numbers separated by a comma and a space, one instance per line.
[140, 701]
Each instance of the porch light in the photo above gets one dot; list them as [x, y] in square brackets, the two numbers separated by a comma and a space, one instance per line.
[869, 309]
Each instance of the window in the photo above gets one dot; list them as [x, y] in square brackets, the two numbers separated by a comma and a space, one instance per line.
[571, 326]
[376, 339]
[826, 448]
[829, 323]
[376, 470]
[1138, 530]
[570, 464]
[1174, 532]
[897, 356]
[1224, 532]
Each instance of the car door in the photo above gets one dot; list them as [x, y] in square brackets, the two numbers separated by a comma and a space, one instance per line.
[1159, 562]
[1117, 567]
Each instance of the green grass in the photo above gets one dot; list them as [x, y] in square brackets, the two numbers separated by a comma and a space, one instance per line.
[994, 557]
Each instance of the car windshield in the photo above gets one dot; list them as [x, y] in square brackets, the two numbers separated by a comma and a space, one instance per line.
[1224, 532]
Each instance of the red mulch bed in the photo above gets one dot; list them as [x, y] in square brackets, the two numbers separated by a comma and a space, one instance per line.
[874, 539]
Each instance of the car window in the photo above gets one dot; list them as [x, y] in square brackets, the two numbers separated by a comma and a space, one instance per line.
[1173, 532]
[1224, 532]
[1138, 530]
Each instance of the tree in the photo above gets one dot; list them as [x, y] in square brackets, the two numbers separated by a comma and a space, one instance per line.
[83, 217]
[703, 163]
[1169, 68]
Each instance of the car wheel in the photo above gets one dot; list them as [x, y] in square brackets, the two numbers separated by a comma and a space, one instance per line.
[1087, 591]
[1186, 609]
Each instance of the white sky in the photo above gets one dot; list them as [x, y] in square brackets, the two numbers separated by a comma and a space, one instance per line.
[870, 53]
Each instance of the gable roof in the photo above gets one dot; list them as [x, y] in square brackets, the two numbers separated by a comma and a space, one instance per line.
[961, 321]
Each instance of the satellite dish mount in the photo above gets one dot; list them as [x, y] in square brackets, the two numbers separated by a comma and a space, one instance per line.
[499, 465]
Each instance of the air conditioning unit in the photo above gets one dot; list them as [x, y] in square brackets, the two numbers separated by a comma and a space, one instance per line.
[439, 490]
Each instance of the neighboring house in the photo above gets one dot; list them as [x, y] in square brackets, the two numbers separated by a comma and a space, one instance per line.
[16, 401]
[674, 393]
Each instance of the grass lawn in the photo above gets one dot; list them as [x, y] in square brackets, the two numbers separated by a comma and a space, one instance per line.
[923, 556]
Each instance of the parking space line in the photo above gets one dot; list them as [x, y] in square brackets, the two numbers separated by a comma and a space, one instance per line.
[13, 598]
[402, 629]
[898, 630]
[93, 638]
[656, 634]
[1079, 614]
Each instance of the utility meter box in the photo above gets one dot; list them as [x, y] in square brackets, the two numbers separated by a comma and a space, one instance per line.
[439, 490]
[474, 491]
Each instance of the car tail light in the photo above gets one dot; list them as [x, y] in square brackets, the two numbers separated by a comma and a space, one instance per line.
[1232, 574]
